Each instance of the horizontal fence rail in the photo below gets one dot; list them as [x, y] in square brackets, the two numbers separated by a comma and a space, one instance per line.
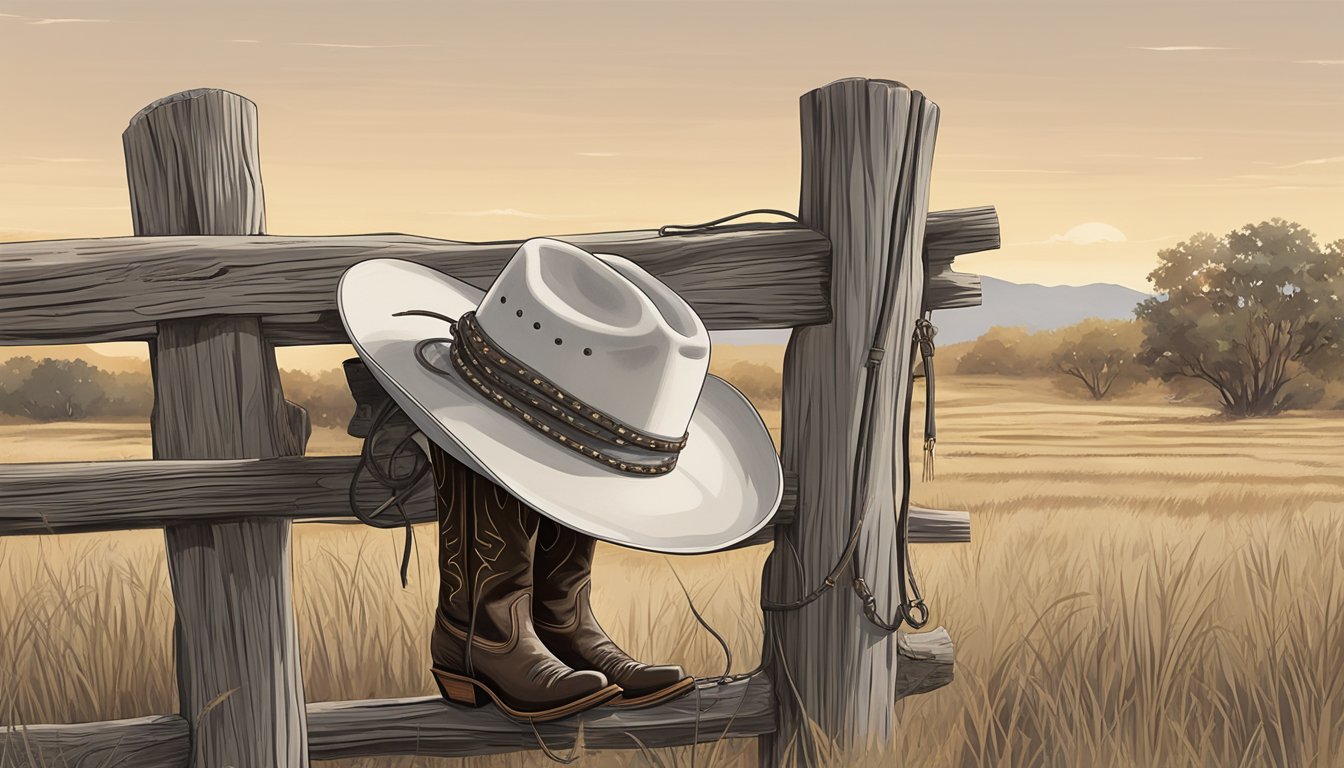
[77, 497]
[947, 235]
[428, 726]
[119, 288]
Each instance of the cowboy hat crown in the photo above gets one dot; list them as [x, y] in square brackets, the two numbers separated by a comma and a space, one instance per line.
[603, 330]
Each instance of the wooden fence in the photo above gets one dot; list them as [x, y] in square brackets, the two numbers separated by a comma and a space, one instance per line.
[213, 295]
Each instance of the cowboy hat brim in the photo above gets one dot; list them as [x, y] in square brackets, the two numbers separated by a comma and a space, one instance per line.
[726, 486]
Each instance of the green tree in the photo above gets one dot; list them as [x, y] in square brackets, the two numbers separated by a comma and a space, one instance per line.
[1102, 354]
[1247, 312]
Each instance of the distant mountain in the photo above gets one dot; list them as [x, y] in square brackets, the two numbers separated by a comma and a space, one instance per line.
[1038, 307]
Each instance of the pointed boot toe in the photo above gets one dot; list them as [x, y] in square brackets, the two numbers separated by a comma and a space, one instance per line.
[563, 617]
[652, 678]
[581, 683]
[651, 685]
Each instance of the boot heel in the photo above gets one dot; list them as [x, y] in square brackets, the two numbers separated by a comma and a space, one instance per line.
[460, 690]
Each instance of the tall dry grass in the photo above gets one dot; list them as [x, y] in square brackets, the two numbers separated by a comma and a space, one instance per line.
[1147, 586]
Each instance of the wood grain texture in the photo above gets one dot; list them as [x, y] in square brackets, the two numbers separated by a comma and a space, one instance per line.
[192, 164]
[236, 643]
[77, 497]
[947, 235]
[231, 404]
[926, 662]
[430, 727]
[161, 741]
[427, 726]
[939, 526]
[867, 156]
[116, 289]
[81, 497]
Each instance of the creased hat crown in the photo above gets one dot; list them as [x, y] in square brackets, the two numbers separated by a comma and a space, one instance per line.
[603, 329]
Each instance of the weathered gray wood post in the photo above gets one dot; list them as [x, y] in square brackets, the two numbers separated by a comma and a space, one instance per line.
[867, 155]
[192, 165]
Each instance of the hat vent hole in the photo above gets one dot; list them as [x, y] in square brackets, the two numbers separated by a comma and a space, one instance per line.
[519, 313]
[559, 341]
[588, 351]
[537, 326]
[503, 299]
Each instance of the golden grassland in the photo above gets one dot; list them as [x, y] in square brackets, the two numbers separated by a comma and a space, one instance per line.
[1148, 585]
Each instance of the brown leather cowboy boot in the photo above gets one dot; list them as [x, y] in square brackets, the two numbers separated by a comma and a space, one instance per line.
[564, 620]
[484, 646]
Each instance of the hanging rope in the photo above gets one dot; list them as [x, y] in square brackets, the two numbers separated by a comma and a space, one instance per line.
[924, 333]
[667, 229]
[911, 609]
[398, 486]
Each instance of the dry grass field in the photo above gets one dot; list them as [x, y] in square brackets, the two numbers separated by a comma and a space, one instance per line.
[1148, 585]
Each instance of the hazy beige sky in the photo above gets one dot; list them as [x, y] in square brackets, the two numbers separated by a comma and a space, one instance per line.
[1080, 120]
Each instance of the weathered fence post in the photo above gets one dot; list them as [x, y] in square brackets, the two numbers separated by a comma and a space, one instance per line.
[867, 154]
[192, 165]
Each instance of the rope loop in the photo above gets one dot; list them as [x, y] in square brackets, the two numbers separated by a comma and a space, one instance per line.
[925, 331]
[398, 486]
[908, 611]
[667, 229]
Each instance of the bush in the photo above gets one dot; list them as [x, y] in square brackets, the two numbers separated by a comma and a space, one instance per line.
[129, 395]
[1008, 351]
[58, 390]
[1101, 354]
[760, 383]
[14, 372]
[325, 396]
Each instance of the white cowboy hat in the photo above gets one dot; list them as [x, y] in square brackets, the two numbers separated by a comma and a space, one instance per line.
[579, 383]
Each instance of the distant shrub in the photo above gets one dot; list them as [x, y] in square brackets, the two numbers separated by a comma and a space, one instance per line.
[60, 390]
[760, 383]
[1102, 355]
[129, 395]
[13, 374]
[325, 395]
[1008, 351]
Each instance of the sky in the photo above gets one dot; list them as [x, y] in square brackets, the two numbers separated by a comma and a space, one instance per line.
[1102, 131]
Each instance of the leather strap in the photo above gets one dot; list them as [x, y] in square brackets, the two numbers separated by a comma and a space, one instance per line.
[515, 387]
